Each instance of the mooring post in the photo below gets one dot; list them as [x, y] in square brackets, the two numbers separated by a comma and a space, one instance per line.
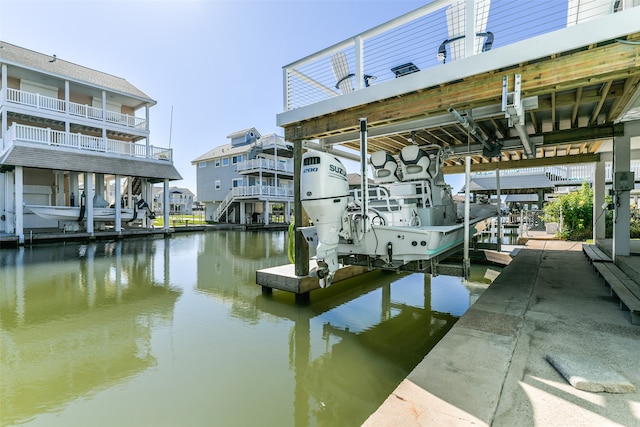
[499, 203]
[301, 246]
[467, 208]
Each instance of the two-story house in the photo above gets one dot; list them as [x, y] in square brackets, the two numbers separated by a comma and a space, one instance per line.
[181, 200]
[248, 180]
[75, 148]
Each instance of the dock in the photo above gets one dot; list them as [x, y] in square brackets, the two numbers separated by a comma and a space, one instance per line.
[495, 367]
[283, 277]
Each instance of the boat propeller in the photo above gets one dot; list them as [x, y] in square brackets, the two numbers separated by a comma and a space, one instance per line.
[322, 272]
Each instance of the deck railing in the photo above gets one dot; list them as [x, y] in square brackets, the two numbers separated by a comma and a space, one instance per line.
[78, 141]
[251, 191]
[566, 174]
[38, 101]
[266, 165]
[421, 39]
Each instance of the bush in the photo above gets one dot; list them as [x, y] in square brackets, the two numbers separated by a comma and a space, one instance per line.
[576, 211]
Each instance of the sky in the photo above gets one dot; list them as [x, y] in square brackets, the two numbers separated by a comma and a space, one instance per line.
[216, 64]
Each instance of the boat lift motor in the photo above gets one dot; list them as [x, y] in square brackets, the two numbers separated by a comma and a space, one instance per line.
[324, 193]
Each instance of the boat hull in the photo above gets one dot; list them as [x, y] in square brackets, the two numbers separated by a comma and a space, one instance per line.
[401, 244]
[72, 213]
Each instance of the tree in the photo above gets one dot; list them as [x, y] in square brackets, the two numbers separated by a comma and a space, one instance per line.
[575, 212]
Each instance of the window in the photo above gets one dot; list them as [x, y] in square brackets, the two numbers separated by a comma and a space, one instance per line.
[236, 159]
[202, 164]
[225, 161]
[217, 184]
[216, 163]
[237, 182]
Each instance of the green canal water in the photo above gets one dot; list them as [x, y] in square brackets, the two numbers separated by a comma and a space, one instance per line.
[175, 332]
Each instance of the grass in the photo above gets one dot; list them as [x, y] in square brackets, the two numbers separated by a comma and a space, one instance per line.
[180, 220]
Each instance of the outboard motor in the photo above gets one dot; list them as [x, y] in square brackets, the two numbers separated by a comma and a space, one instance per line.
[324, 192]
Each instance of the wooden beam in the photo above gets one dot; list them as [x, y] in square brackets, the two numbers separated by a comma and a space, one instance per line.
[630, 89]
[526, 163]
[583, 134]
[603, 97]
[574, 113]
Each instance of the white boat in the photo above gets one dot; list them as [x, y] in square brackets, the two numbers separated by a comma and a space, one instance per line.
[408, 216]
[74, 213]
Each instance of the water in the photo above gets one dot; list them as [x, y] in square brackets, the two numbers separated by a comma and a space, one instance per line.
[168, 332]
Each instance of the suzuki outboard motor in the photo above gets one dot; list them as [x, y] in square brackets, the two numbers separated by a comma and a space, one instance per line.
[324, 192]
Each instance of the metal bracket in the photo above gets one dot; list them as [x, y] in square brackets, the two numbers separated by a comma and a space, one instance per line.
[513, 107]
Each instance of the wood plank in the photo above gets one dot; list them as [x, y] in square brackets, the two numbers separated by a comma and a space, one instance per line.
[617, 279]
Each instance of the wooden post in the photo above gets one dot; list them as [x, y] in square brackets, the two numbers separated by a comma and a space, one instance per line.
[301, 246]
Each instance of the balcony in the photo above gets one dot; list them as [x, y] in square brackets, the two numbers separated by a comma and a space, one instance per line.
[41, 102]
[264, 165]
[263, 191]
[426, 38]
[538, 79]
[76, 141]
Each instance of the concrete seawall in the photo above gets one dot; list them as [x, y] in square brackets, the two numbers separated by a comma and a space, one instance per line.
[491, 368]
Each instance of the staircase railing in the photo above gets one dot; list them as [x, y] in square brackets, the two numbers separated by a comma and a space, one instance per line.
[224, 205]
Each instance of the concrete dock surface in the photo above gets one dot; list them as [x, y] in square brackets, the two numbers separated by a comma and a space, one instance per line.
[491, 369]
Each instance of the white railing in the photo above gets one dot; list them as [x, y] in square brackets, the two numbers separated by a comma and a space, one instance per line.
[262, 190]
[38, 101]
[420, 39]
[577, 173]
[251, 191]
[58, 138]
[265, 164]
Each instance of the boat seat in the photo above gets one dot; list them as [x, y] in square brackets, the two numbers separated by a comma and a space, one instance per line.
[384, 167]
[415, 163]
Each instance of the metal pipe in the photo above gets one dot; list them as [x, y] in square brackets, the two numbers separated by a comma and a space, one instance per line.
[364, 182]
[470, 126]
[467, 210]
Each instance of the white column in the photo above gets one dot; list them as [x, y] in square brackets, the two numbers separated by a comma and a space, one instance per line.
[88, 200]
[59, 186]
[287, 213]
[469, 28]
[3, 97]
[243, 219]
[19, 188]
[599, 215]
[99, 196]
[165, 204]
[74, 189]
[118, 205]
[129, 192]
[621, 198]
[9, 202]
[67, 124]
[99, 185]
[266, 213]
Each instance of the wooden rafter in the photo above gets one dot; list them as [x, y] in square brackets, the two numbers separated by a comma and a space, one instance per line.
[603, 97]
[574, 113]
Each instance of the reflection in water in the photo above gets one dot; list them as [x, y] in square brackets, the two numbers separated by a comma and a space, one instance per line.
[179, 327]
[75, 319]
